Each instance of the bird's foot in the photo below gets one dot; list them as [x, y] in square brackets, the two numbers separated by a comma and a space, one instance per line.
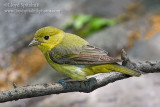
[63, 81]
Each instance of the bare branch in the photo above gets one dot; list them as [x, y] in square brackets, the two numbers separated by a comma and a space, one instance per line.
[77, 86]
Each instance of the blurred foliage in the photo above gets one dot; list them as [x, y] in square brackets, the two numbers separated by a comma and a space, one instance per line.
[84, 25]
[132, 11]
[22, 66]
[149, 34]
[132, 39]
[155, 21]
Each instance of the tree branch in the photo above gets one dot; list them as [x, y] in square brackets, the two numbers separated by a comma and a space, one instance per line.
[77, 86]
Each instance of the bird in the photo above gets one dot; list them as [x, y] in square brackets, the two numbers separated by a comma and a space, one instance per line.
[73, 56]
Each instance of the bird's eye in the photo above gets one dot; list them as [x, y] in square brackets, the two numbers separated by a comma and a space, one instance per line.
[46, 37]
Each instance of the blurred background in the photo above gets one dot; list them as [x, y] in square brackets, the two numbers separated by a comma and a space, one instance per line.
[133, 25]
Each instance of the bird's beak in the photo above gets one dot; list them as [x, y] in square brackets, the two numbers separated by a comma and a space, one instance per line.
[34, 43]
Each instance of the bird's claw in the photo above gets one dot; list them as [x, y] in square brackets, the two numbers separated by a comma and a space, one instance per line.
[63, 81]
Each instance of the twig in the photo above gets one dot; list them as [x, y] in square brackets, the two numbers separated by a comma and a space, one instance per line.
[76, 86]
[14, 85]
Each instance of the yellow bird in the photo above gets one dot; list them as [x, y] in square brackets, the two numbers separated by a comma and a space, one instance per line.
[73, 56]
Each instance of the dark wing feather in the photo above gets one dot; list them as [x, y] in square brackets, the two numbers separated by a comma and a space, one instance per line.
[86, 55]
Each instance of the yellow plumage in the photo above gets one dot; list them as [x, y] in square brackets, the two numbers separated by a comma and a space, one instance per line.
[73, 56]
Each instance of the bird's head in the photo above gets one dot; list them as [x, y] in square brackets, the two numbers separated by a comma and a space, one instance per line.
[47, 38]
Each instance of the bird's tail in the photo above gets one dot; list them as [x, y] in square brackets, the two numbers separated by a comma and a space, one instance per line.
[128, 71]
[114, 68]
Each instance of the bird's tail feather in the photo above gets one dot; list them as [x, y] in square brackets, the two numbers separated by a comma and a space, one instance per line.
[119, 68]
[114, 68]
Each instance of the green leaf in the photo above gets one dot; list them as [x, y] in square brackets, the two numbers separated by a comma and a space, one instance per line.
[86, 24]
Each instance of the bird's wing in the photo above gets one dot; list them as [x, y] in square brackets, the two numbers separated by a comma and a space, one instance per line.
[86, 55]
